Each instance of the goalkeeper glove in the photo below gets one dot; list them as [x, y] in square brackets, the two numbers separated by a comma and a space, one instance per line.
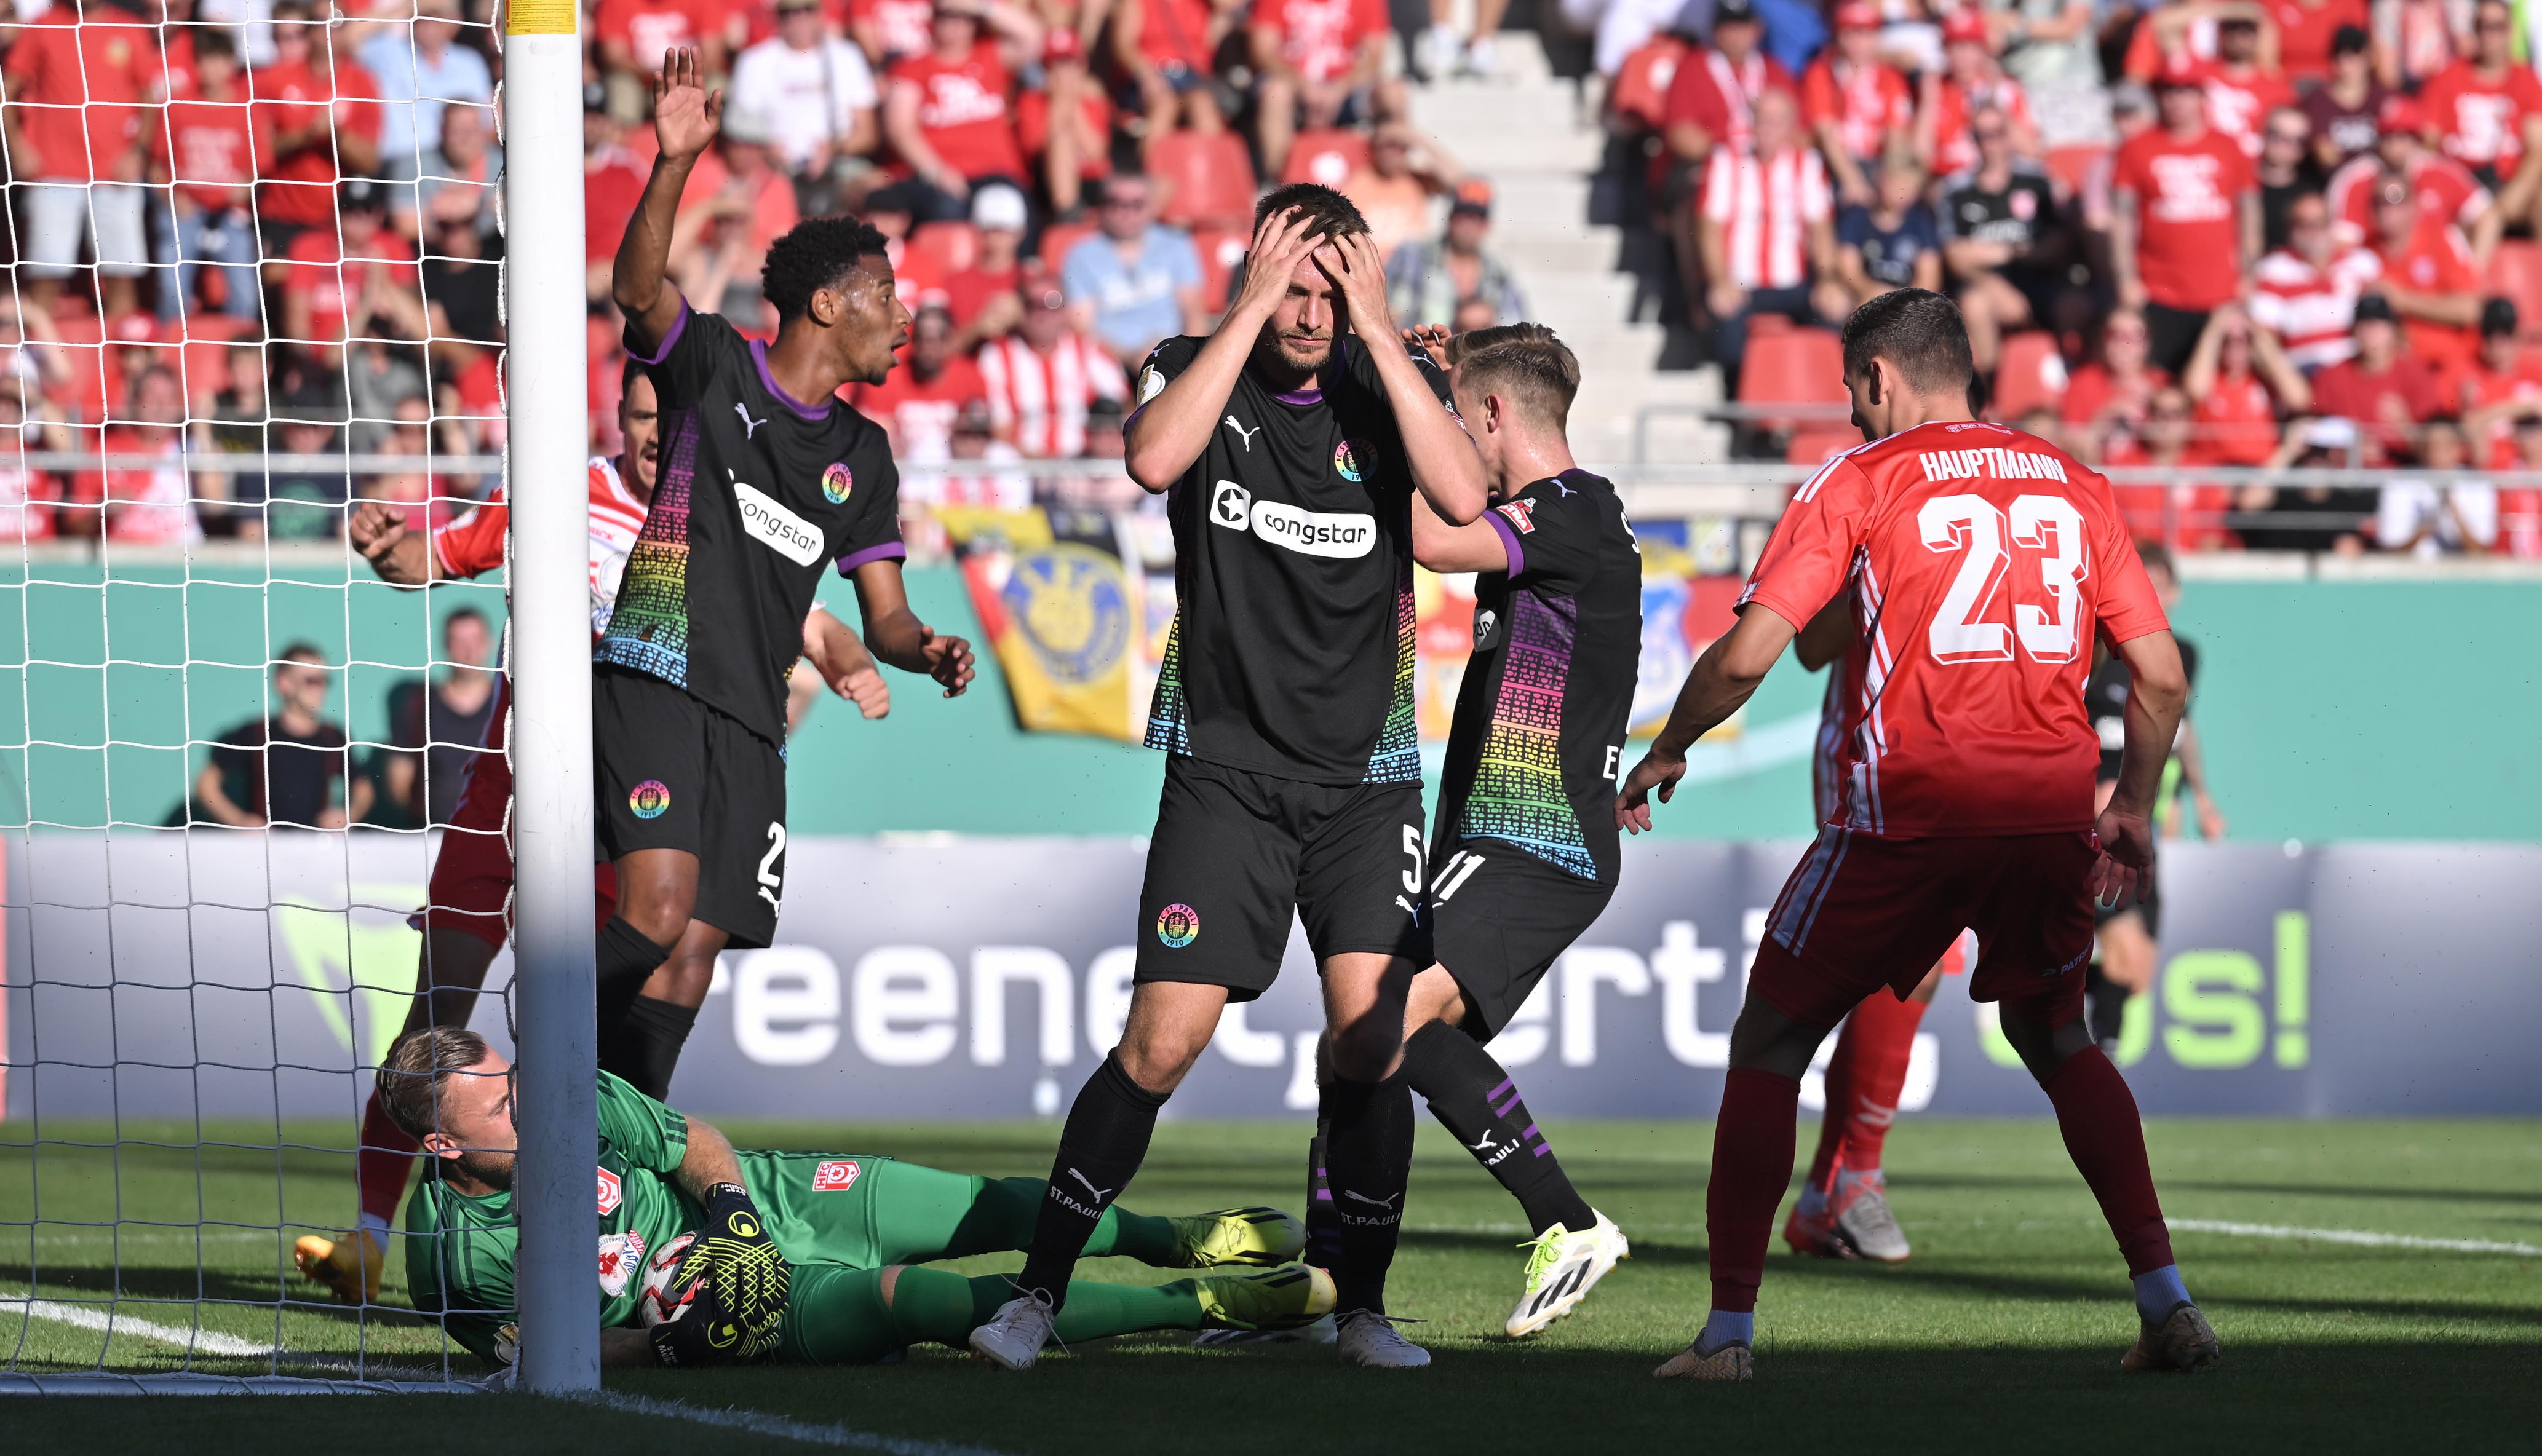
[736, 1280]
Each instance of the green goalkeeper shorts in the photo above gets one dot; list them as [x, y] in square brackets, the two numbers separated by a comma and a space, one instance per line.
[865, 1211]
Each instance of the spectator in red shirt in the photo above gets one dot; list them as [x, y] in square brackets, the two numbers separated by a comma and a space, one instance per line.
[1971, 81]
[2346, 110]
[207, 150]
[1044, 377]
[370, 288]
[2500, 385]
[1065, 126]
[920, 400]
[2106, 401]
[1854, 102]
[79, 130]
[949, 114]
[2445, 188]
[2306, 292]
[2241, 381]
[1320, 63]
[1712, 97]
[1767, 226]
[1166, 47]
[613, 182]
[313, 122]
[891, 30]
[2188, 225]
[2241, 88]
[2385, 391]
[2428, 277]
[633, 35]
[2308, 32]
[983, 297]
[2486, 111]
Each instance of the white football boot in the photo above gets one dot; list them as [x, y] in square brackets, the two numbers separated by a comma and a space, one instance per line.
[1012, 1338]
[1562, 1271]
[1366, 1338]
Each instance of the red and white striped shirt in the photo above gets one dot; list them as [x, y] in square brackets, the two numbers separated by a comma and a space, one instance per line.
[474, 543]
[1766, 206]
[1038, 400]
[2310, 310]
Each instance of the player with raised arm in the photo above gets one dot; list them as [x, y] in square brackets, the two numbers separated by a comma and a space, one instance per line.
[1843, 1209]
[711, 1255]
[1984, 562]
[466, 916]
[1289, 445]
[766, 476]
[1524, 849]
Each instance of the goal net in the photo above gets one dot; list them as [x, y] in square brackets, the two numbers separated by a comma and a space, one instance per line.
[233, 320]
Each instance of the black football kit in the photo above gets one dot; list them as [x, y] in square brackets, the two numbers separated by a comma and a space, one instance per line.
[758, 495]
[1286, 692]
[1524, 855]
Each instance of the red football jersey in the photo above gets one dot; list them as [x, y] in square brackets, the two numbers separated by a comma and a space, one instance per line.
[1984, 561]
[474, 543]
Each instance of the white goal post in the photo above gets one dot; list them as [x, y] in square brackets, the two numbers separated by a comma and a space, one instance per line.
[549, 575]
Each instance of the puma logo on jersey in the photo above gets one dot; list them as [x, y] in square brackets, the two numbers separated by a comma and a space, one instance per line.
[1388, 1204]
[749, 426]
[1243, 434]
[1098, 1192]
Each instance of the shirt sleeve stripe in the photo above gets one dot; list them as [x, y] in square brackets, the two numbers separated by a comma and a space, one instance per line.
[1509, 540]
[890, 551]
[663, 350]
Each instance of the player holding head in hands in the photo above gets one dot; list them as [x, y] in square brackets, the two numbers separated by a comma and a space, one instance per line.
[1523, 855]
[1983, 561]
[1289, 445]
[711, 1255]
[765, 477]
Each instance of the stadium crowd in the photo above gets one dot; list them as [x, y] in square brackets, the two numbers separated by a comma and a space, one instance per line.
[2214, 233]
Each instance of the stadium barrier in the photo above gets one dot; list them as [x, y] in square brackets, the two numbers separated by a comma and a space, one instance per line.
[943, 976]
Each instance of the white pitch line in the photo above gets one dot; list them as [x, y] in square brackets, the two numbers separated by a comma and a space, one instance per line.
[2359, 1237]
[759, 1422]
[209, 1342]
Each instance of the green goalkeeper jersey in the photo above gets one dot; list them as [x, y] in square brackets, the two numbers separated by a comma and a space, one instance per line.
[853, 1210]
[460, 1249]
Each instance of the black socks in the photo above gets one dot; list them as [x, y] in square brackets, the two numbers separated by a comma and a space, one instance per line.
[623, 959]
[640, 1036]
[643, 1045]
[1365, 1133]
[1476, 1100]
[2104, 1008]
[1100, 1150]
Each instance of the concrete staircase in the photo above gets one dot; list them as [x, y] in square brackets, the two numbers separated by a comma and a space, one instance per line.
[1527, 132]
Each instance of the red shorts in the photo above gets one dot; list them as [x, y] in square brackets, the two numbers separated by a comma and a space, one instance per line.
[472, 874]
[1862, 912]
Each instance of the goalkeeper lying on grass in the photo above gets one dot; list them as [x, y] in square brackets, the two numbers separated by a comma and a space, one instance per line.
[708, 1256]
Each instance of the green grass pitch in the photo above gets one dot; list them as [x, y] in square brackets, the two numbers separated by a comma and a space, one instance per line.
[2004, 1331]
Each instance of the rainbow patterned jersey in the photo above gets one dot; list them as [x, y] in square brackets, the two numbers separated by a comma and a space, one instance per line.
[1292, 647]
[1540, 726]
[756, 494]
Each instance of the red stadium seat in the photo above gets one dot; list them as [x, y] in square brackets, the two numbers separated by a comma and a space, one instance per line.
[1328, 156]
[207, 367]
[2031, 375]
[1817, 444]
[2515, 272]
[1222, 251]
[1058, 238]
[954, 246]
[1797, 366]
[1209, 179]
[2067, 167]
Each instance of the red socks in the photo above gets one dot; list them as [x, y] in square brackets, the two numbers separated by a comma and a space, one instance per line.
[1752, 1141]
[1863, 1080]
[386, 1160]
[2106, 1138]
